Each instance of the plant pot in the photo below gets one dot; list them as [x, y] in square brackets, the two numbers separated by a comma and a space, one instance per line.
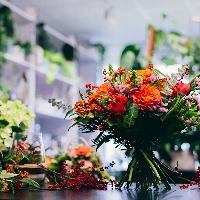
[35, 171]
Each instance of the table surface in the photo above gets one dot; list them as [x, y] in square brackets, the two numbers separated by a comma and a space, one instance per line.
[174, 194]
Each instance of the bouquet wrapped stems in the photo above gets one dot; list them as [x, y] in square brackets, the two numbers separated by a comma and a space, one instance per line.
[146, 170]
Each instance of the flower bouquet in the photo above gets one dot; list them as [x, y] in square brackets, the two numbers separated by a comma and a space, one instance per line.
[136, 109]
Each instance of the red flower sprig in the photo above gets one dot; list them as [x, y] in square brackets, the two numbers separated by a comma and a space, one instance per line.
[191, 183]
[77, 179]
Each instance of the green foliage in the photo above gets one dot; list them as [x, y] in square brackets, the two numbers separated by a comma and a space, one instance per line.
[101, 48]
[6, 30]
[6, 175]
[130, 57]
[15, 120]
[7, 21]
[178, 46]
[56, 63]
[30, 182]
[68, 52]
[26, 46]
[42, 37]
[132, 114]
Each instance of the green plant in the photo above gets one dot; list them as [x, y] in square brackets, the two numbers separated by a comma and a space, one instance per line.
[7, 21]
[26, 46]
[6, 30]
[13, 179]
[42, 37]
[178, 46]
[68, 52]
[15, 119]
[56, 63]
[130, 57]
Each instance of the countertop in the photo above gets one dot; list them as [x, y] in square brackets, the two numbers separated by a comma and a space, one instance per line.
[174, 194]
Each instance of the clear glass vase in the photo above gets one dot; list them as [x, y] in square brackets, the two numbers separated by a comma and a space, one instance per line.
[33, 167]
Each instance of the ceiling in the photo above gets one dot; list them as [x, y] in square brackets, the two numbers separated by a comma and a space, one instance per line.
[115, 22]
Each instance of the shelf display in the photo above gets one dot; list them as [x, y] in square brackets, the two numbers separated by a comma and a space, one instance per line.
[30, 66]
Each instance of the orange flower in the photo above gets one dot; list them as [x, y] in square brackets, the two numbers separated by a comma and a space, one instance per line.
[121, 71]
[81, 150]
[84, 108]
[23, 174]
[147, 97]
[144, 74]
[101, 93]
[5, 189]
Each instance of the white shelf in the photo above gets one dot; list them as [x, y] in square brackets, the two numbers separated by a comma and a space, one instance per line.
[55, 115]
[18, 11]
[38, 69]
[58, 77]
[18, 61]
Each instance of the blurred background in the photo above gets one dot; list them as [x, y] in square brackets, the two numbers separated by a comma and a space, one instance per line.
[51, 49]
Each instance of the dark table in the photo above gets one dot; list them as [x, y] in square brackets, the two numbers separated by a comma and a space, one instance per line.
[174, 194]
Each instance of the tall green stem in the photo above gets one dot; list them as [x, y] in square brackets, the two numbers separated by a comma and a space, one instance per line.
[152, 165]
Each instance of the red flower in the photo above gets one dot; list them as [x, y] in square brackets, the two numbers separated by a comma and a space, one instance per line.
[118, 104]
[183, 88]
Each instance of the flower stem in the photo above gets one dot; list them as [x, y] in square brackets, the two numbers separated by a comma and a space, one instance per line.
[131, 171]
[124, 179]
[151, 164]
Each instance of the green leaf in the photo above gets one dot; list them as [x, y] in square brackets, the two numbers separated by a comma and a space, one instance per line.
[31, 182]
[16, 129]
[69, 112]
[3, 123]
[129, 57]
[6, 175]
[131, 115]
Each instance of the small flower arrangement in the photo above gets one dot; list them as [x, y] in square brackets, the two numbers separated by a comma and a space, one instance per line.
[84, 158]
[23, 153]
[135, 109]
[12, 179]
